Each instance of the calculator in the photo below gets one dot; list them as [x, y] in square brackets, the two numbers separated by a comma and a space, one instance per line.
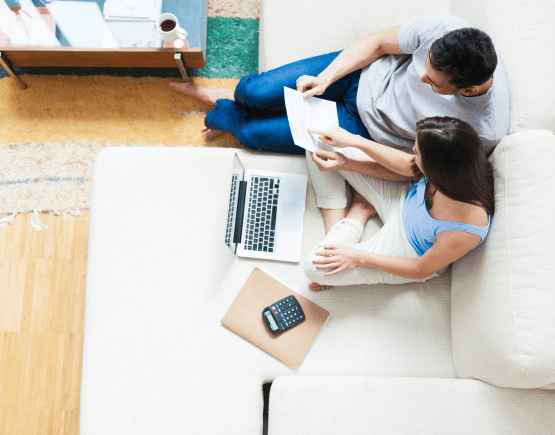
[283, 314]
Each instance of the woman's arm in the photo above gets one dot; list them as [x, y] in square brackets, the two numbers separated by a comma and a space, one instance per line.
[397, 161]
[334, 161]
[360, 53]
[449, 247]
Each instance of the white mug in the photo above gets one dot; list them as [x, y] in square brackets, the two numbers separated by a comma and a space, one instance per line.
[173, 32]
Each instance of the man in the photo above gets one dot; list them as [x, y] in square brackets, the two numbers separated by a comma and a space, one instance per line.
[383, 83]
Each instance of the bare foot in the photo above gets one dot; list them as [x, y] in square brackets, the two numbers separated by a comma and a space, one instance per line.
[318, 287]
[210, 134]
[206, 95]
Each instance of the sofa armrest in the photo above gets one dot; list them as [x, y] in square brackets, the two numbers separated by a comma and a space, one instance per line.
[502, 293]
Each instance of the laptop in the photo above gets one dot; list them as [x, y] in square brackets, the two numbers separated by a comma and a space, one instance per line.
[265, 214]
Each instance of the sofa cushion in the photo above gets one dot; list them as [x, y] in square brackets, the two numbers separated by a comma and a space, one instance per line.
[291, 30]
[156, 358]
[503, 292]
[395, 406]
[524, 34]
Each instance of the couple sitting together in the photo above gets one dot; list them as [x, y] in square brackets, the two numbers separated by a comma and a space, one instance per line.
[420, 107]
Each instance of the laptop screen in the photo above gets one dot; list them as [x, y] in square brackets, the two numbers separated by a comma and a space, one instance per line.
[237, 175]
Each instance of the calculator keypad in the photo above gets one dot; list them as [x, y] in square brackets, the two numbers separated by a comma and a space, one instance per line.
[287, 312]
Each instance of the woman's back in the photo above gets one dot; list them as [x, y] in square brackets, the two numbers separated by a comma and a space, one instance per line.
[428, 212]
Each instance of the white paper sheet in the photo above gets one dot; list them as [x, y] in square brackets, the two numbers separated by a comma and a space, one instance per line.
[314, 113]
[132, 10]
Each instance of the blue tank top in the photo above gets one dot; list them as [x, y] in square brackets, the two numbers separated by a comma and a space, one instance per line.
[422, 229]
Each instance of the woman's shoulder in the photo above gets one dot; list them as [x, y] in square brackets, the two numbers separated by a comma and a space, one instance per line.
[457, 211]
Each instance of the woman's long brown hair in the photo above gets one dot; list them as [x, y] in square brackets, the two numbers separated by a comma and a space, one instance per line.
[455, 162]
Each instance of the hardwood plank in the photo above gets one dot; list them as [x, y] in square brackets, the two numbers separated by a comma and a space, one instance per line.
[12, 273]
[42, 302]
[40, 370]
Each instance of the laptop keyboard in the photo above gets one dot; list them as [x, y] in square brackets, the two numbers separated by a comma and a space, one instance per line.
[231, 209]
[261, 214]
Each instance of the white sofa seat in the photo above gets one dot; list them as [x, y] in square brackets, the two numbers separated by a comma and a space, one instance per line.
[160, 279]
[399, 406]
[156, 358]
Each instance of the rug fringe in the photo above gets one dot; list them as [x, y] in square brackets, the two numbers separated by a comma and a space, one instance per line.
[35, 222]
[7, 220]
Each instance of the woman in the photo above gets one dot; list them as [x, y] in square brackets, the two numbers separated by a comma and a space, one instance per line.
[427, 224]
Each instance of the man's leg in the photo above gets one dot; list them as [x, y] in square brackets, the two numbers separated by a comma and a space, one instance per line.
[264, 91]
[270, 132]
[201, 93]
[206, 95]
[260, 93]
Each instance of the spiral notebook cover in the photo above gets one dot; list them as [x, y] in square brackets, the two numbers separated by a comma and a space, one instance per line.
[244, 317]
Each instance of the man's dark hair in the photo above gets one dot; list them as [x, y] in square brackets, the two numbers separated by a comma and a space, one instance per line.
[466, 55]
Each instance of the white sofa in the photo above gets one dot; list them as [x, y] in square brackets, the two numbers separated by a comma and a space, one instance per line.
[391, 359]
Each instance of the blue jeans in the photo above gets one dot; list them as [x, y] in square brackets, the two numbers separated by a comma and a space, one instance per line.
[257, 117]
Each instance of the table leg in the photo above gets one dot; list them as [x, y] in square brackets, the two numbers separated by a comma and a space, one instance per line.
[6, 64]
[181, 65]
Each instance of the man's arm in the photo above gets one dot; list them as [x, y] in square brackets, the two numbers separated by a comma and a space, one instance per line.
[360, 53]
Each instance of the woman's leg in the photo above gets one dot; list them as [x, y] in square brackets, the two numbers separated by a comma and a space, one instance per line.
[390, 240]
[352, 225]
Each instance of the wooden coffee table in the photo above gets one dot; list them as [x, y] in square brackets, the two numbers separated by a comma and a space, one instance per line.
[129, 52]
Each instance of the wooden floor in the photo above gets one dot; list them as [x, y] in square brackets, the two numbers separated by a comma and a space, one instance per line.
[42, 301]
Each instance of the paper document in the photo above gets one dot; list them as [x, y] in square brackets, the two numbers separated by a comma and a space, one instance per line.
[314, 113]
[132, 10]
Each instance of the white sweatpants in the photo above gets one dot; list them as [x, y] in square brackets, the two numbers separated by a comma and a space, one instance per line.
[387, 197]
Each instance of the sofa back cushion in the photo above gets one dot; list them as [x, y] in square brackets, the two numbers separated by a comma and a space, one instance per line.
[292, 30]
[502, 292]
[522, 30]
[524, 37]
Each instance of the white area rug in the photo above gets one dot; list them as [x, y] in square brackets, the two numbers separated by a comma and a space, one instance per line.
[46, 177]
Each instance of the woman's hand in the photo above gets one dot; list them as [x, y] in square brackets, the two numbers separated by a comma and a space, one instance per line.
[336, 137]
[338, 258]
[330, 160]
[310, 86]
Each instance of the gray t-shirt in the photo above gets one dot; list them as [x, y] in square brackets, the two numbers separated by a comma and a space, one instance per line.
[391, 99]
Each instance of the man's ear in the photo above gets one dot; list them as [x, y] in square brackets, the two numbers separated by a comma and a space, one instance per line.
[470, 91]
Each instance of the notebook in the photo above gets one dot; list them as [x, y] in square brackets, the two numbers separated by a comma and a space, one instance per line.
[244, 317]
[265, 213]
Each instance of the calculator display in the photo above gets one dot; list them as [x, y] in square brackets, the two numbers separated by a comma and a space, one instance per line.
[273, 323]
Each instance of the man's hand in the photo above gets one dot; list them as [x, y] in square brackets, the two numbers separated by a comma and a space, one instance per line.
[310, 86]
[336, 137]
[333, 161]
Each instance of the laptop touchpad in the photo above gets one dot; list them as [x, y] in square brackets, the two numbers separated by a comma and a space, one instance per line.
[291, 216]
